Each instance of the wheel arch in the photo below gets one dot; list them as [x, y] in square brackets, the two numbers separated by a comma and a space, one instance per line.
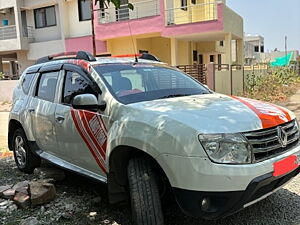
[12, 127]
[117, 175]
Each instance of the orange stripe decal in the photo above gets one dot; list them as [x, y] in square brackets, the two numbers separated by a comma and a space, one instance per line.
[269, 114]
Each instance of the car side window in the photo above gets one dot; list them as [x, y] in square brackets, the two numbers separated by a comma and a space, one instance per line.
[47, 86]
[76, 84]
[26, 82]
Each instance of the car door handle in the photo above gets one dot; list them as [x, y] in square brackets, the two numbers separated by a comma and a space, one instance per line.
[31, 110]
[59, 119]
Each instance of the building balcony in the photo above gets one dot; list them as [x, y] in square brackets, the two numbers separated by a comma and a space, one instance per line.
[11, 41]
[192, 14]
[141, 10]
[28, 32]
[8, 32]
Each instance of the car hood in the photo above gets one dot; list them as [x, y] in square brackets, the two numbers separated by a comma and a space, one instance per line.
[215, 113]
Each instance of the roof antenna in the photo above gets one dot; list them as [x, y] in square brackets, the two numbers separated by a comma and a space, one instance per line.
[135, 54]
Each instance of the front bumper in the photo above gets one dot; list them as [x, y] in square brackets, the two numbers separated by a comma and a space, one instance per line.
[222, 204]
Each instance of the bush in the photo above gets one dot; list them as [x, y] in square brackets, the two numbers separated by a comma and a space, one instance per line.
[275, 87]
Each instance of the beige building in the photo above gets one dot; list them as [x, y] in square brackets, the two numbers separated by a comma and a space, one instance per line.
[30, 29]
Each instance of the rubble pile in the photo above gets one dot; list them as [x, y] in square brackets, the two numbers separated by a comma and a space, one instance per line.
[28, 194]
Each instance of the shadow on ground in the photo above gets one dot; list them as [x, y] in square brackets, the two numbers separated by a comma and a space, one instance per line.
[77, 196]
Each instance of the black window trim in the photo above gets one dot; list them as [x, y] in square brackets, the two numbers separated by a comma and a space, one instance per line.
[184, 5]
[35, 21]
[80, 71]
[80, 13]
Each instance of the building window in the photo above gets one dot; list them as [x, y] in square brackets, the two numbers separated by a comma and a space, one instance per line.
[262, 49]
[184, 5]
[195, 56]
[45, 17]
[194, 1]
[256, 48]
[212, 58]
[219, 59]
[84, 9]
[221, 43]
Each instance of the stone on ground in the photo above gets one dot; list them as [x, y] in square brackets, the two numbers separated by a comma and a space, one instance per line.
[4, 188]
[30, 221]
[22, 200]
[6, 206]
[41, 193]
[8, 194]
[50, 173]
[21, 185]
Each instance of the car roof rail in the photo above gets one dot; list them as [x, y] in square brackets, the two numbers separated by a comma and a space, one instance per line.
[149, 57]
[83, 55]
[140, 56]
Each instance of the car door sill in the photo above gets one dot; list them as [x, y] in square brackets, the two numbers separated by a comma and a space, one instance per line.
[69, 166]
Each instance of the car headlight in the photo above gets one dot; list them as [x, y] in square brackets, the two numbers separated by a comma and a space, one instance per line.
[227, 148]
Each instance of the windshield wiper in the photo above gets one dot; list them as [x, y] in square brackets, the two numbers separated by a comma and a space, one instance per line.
[174, 96]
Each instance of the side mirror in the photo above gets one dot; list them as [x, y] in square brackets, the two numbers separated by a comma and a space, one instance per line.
[88, 102]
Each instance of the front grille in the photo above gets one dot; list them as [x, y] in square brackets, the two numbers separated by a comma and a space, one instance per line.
[266, 143]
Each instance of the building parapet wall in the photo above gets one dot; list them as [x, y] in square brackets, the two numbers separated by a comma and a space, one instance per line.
[233, 23]
[8, 4]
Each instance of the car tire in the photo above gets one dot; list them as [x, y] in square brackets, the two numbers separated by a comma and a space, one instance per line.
[25, 160]
[144, 192]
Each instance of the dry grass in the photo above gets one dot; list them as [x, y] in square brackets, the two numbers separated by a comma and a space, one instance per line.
[276, 87]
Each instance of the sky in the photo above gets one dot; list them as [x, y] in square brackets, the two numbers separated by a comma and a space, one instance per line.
[272, 19]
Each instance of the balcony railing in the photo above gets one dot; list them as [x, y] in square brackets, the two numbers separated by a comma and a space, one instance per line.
[141, 10]
[8, 32]
[28, 32]
[192, 14]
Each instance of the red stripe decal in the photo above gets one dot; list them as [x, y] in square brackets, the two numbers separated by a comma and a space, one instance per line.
[92, 134]
[269, 114]
[284, 166]
[78, 121]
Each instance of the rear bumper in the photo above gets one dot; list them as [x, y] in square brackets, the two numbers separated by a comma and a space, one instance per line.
[222, 204]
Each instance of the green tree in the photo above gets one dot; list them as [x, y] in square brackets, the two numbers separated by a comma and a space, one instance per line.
[117, 3]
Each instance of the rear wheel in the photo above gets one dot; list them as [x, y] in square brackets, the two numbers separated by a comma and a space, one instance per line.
[26, 161]
[144, 192]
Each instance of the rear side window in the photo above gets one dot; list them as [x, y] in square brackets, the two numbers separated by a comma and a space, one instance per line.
[76, 84]
[47, 86]
[26, 82]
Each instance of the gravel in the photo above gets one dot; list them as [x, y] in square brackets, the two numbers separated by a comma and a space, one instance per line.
[83, 201]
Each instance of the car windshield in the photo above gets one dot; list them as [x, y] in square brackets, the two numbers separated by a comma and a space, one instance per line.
[131, 83]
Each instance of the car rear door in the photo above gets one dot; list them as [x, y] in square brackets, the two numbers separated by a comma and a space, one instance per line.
[76, 142]
[42, 109]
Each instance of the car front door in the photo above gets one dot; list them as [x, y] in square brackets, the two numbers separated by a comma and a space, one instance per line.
[81, 134]
[42, 110]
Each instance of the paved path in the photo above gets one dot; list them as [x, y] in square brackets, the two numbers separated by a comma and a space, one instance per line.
[294, 104]
[3, 135]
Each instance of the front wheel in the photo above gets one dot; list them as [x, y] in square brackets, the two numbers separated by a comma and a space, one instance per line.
[26, 161]
[144, 192]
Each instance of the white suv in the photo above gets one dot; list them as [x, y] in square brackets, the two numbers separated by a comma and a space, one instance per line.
[144, 128]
